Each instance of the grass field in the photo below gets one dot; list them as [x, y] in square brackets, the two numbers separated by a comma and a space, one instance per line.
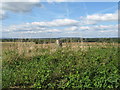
[75, 65]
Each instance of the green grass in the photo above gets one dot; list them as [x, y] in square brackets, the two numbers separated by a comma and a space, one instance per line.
[65, 68]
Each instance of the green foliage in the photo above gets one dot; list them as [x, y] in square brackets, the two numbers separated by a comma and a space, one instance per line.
[64, 68]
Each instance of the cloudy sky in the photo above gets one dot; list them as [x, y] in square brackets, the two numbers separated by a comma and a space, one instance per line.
[59, 19]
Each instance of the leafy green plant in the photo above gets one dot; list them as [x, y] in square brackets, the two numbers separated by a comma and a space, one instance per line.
[94, 67]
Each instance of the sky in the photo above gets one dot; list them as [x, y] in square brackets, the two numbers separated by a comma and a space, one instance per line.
[59, 19]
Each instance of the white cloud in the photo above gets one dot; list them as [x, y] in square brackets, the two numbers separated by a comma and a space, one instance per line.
[97, 18]
[57, 23]
[68, 25]
[103, 17]
[42, 31]
[17, 6]
[62, 0]
[52, 30]
[73, 28]
[38, 27]
[84, 28]
[57, 0]
[21, 0]
[43, 26]
[99, 27]
[29, 30]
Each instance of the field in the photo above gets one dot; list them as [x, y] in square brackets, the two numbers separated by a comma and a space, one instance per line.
[75, 65]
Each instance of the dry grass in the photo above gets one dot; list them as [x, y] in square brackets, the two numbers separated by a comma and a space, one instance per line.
[30, 49]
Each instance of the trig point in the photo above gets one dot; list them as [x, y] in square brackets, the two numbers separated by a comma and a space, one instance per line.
[58, 43]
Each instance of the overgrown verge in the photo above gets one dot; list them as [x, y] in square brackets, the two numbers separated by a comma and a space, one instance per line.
[64, 68]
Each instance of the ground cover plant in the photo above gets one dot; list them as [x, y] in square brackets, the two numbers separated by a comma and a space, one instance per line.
[80, 67]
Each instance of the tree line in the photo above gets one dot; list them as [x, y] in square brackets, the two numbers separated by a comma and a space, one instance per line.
[64, 40]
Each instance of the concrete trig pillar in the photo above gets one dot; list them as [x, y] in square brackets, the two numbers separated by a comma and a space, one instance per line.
[58, 43]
